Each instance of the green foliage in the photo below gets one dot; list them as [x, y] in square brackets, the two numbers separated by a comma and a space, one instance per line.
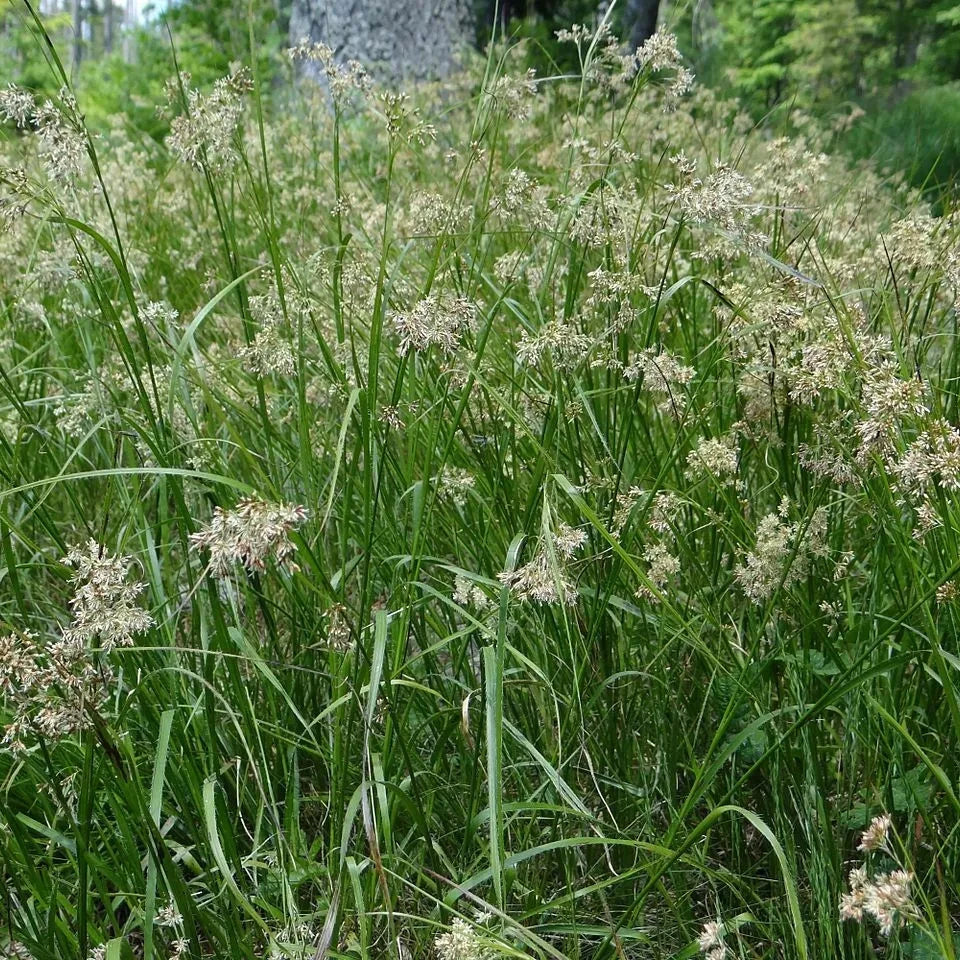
[919, 136]
[896, 60]
[20, 52]
[226, 26]
[532, 501]
[113, 89]
[817, 52]
[121, 84]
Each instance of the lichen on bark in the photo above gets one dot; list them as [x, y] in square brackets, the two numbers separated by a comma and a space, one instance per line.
[397, 40]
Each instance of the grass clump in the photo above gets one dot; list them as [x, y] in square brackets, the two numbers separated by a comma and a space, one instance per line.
[514, 518]
[916, 135]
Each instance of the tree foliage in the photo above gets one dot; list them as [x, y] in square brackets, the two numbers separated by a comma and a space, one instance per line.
[818, 52]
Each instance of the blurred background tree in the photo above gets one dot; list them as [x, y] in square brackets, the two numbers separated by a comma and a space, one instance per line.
[898, 61]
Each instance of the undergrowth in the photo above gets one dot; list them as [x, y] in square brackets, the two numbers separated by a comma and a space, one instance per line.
[514, 519]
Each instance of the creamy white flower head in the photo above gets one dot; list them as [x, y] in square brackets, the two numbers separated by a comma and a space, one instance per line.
[710, 940]
[461, 942]
[714, 456]
[62, 145]
[886, 898]
[169, 915]
[721, 198]
[540, 580]
[782, 553]
[50, 688]
[455, 484]
[434, 322]
[561, 341]
[663, 567]
[17, 105]
[270, 352]
[179, 948]
[569, 540]
[205, 133]
[514, 94]
[343, 79]
[468, 594]
[659, 52]
[250, 534]
[875, 836]
[105, 603]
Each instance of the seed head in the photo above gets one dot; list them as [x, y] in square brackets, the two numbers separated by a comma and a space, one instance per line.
[432, 321]
[105, 603]
[250, 534]
[875, 836]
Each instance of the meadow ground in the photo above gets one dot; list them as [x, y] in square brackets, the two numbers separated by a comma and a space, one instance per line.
[514, 519]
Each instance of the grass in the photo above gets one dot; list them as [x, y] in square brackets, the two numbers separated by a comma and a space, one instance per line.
[917, 136]
[549, 676]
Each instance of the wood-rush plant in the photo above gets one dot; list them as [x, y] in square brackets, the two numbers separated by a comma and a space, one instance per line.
[520, 519]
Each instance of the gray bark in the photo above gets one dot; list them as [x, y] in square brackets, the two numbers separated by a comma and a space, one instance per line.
[396, 40]
[641, 18]
[129, 36]
[76, 16]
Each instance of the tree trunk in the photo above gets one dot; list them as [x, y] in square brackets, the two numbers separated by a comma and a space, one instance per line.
[129, 36]
[76, 15]
[108, 26]
[640, 17]
[395, 39]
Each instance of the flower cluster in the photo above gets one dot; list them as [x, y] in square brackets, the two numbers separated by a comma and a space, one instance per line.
[886, 897]
[544, 579]
[17, 105]
[659, 54]
[254, 531]
[269, 352]
[61, 143]
[714, 456]
[461, 942]
[468, 594]
[433, 321]
[50, 688]
[603, 63]
[455, 484]
[514, 95]
[782, 553]
[105, 607]
[55, 688]
[342, 80]
[722, 199]
[711, 942]
[663, 375]
[205, 133]
[877, 833]
[662, 567]
[560, 341]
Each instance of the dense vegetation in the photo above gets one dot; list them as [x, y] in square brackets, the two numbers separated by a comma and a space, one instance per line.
[513, 519]
[883, 75]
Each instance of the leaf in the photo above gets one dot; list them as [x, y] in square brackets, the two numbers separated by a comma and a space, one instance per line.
[911, 790]
[493, 686]
[118, 949]
[856, 818]
[216, 848]
[922, 946]
[813, 661]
